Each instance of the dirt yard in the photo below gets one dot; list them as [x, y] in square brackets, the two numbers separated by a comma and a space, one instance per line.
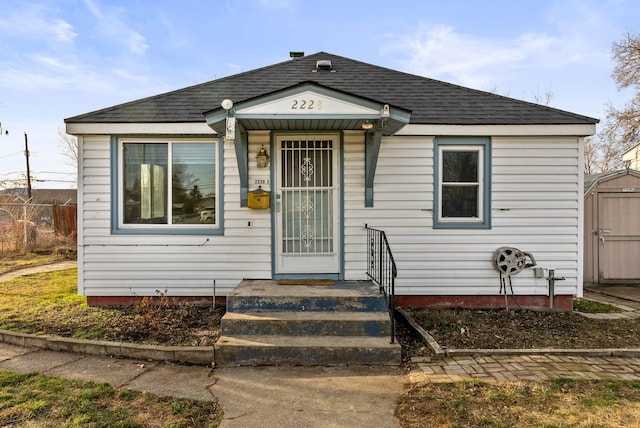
[520, 329]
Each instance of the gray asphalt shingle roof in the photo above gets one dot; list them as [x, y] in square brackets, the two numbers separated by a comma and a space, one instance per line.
[429, 101]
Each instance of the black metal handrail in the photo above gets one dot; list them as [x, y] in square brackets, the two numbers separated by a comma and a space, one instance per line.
[381, 269]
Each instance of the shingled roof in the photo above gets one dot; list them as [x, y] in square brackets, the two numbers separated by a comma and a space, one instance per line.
[429, 101]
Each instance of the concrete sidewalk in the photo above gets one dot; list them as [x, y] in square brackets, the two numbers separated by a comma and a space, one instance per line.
[251, 396]
[624, 297]
[67, 264]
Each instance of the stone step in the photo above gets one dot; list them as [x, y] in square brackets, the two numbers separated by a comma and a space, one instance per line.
[321, 323]
[263, 295]
[305, 350]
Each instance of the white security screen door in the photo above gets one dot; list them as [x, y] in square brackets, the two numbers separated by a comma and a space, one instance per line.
[307, 210]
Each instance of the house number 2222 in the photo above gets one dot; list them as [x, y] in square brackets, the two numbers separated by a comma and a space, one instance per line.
[306, 105]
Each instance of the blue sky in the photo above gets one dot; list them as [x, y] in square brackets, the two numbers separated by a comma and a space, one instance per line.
[60, 58]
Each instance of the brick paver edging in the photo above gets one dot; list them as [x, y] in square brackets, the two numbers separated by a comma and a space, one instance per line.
[518, 368]
[608, 352]
[200, 355]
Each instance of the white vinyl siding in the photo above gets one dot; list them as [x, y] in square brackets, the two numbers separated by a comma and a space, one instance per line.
[535, 203]
[183, 265]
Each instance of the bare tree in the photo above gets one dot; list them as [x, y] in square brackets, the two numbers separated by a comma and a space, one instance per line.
[69, 146]
[543, 98]
[626, 53]
[591, 156]
[600, 155]
[621, 129]
[14, 186]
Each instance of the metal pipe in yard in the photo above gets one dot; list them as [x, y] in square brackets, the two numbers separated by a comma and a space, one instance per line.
[552, 286]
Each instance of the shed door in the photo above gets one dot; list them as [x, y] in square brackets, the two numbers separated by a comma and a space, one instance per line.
[307, 205]
[619, 237]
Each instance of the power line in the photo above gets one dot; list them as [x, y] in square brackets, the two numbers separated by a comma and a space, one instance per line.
[52, 172]
[11, 154]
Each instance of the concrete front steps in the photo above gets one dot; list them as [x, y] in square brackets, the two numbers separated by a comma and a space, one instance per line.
[346, 323]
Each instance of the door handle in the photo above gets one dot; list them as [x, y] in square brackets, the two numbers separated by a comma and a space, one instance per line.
[602, 239]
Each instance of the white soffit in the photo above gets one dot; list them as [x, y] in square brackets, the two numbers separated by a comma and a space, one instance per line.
[139, 128]
[499, 130]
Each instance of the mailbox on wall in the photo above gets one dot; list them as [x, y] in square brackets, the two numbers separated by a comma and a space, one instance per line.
[259, 198]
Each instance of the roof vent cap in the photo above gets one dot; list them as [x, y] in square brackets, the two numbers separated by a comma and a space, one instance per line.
[324, 64]
[296, 54]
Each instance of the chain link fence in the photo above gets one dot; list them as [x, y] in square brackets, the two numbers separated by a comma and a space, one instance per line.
[39, 228]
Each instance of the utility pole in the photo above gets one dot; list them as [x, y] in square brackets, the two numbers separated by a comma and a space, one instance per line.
[26, 154]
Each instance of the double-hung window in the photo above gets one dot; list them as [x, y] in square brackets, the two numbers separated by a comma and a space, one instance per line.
[462, 183]
[167, 186]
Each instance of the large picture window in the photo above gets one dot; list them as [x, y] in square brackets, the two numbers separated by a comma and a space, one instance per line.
[168, 184]
[462, 183]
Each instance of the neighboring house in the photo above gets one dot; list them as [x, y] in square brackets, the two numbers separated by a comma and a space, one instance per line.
[451, 175]
[631, 157]
[611, 228]
[40, 196]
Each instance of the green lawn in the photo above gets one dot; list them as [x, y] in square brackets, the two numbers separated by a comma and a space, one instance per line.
[33, 399]
[557, 403]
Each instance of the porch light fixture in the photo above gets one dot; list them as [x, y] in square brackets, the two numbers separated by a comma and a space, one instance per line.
[227, 104]
[262, 158]
[367, 125]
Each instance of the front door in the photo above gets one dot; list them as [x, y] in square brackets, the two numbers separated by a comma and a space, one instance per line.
[307, 204]
[619, 238]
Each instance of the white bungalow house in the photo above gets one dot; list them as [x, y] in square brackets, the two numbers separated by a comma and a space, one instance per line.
[173, 196]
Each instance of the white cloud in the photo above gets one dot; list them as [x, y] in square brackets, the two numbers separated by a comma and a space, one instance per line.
[62, 30]
[111, 22]
[53, 63]
[277, 4]
[93, 8]
[440, 51]
[36, 22]
[233, 68]
[176, 37]
[136, 42]
[46, 76]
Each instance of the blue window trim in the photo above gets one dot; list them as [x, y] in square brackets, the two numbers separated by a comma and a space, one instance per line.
[166, 230]
[440, 142]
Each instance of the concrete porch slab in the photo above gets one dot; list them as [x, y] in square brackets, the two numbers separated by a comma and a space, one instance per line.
[266, 287]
